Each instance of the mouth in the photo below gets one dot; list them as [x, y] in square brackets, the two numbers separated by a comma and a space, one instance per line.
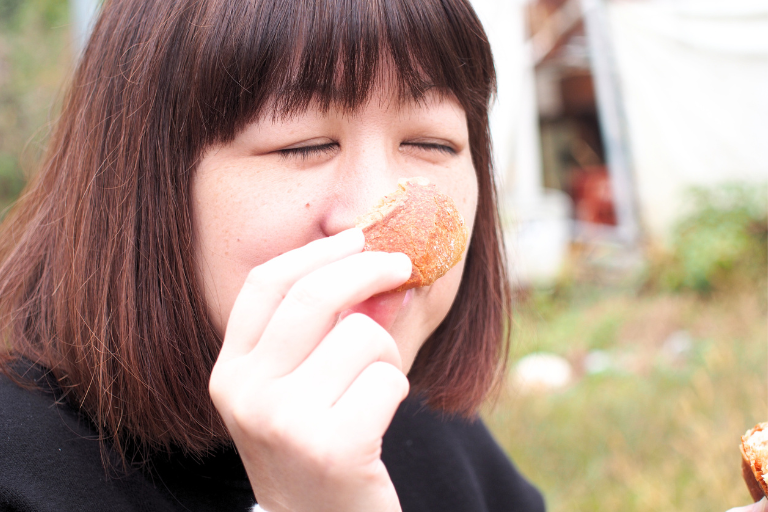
[382, 308]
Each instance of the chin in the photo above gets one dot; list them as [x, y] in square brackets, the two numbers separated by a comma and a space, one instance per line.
[408, 343]
[423, 314]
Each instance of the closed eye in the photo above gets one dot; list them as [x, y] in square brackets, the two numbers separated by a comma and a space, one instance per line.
[304, 152]
[431, 146]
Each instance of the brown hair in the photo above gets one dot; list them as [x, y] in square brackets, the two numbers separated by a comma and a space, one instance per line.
[98, 279]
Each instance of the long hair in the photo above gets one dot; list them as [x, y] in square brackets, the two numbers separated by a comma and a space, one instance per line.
[97, 273]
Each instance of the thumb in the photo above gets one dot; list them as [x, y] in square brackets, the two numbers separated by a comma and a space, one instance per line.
[760, 506]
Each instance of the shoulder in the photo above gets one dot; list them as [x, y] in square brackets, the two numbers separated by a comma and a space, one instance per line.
[34, 414]
[441, 463]
[50, 458]
[35, 424]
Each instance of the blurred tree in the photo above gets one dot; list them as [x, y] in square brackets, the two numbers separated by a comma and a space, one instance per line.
[8, 9]
[35, 57]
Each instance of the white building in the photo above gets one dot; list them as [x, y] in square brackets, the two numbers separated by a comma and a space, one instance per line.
[679, 94]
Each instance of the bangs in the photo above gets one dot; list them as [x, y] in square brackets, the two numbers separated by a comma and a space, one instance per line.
[285, 55]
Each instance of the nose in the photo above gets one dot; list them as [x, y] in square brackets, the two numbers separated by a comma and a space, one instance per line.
[363, 175]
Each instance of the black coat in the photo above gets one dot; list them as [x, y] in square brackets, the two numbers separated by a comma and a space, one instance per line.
[50, 461]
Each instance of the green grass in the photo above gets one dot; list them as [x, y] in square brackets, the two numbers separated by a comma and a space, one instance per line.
[662, 434]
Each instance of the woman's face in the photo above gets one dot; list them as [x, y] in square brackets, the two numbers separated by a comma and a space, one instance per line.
[283, 183]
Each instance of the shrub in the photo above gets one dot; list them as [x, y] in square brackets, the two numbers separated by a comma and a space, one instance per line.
[721, 241]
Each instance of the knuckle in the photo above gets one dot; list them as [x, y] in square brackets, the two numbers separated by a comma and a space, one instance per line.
[385, 339]
[389, 374]
[378, 342]
[306, 295]
[318, 456]
[280, 424]
[219, 387]
[260, 277]
[215, 386]
[320, 450]
[262, 425]
[331, 462]
[271, 430]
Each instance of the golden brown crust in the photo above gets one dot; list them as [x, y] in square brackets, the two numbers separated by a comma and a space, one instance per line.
[754, 460]
[420, 222]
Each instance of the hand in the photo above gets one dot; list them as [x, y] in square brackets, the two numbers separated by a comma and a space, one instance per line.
[307, 398]
[760, 506]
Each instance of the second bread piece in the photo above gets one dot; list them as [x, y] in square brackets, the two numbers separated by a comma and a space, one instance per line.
[754, 460]
[420, 222]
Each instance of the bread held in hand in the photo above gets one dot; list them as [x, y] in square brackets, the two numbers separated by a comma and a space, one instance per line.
[422, 223]
[754, 460]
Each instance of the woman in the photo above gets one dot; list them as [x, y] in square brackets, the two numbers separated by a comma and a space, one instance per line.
[190, 230]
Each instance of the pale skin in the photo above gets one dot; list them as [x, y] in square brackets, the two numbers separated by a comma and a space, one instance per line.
[306, 386]
[760, 506]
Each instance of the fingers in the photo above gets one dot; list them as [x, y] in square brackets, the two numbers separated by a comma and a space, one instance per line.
[311, 307]
[370, 402]
[760, 506]
[267, 284]
[355, 343]
[296, 391]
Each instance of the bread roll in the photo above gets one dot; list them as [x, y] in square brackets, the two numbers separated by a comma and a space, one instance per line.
[754, 460]
[420, 222]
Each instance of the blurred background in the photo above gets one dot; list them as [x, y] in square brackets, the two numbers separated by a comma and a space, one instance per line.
[631, 144]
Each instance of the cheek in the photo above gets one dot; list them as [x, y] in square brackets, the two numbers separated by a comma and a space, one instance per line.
[237, 227]
[460, 183]
[442, 294]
